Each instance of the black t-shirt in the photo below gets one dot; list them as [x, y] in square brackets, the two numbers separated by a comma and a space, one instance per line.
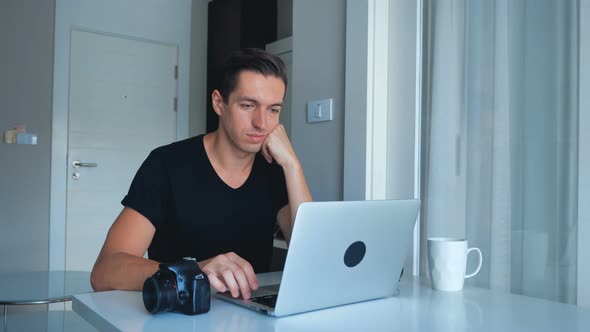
[198, 215]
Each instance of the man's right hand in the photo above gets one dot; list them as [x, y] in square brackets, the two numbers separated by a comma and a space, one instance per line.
[230, 271]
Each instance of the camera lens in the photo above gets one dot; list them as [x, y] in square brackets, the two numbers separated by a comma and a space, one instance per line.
[159, 294]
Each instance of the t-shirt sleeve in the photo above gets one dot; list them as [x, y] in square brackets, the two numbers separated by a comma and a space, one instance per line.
[149, 189]
[279, 188]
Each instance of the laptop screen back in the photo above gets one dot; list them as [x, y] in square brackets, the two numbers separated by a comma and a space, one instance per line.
[345, 252]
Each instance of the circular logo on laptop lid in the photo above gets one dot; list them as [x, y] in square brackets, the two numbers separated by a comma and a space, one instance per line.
[355, 254]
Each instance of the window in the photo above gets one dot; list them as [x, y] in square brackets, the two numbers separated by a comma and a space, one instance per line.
[501, 139]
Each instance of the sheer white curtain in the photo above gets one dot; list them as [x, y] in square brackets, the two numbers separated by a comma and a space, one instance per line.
[500, 138]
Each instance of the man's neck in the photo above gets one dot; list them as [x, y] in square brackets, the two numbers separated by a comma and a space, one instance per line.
[224, 154]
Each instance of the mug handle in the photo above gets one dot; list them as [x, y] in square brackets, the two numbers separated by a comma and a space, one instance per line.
[479, 264]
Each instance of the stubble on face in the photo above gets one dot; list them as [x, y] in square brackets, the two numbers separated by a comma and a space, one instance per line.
[250, 113]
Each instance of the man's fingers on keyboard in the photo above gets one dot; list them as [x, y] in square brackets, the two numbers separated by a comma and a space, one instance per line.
[216, 283]
[230, 281]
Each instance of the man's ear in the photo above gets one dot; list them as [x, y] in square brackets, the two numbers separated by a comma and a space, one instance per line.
[217, 101]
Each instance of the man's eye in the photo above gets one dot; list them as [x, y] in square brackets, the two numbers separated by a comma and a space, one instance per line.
[247, 106]
[275, 110]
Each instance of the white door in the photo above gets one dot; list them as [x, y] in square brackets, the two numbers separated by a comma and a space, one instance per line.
[121, 106]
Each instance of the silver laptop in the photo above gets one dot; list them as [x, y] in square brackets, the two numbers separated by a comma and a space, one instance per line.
[340, 253]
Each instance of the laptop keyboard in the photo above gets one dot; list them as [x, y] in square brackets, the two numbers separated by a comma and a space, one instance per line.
[268, 300]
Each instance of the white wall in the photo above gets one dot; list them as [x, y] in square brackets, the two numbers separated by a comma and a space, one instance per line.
[402, 99]
[584, 159]
[321, 56]
[355, 128]
[330, 40]
[318, 73]
[26, 74]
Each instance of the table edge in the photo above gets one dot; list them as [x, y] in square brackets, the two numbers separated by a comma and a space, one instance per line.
[92, 317]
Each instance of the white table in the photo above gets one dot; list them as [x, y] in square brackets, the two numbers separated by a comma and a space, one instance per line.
[417, 308]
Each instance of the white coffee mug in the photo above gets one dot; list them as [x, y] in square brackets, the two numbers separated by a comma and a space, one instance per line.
[447, 261]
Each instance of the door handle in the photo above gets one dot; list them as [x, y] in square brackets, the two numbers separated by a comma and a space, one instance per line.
[77, 163]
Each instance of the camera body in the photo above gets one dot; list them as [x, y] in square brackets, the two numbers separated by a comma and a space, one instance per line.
[178, 286]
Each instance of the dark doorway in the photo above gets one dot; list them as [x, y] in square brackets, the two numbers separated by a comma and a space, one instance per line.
[232, 25]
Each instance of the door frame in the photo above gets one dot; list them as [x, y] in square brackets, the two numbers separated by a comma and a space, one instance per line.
[166, 22]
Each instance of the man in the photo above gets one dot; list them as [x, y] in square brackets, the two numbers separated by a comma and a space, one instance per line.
[214, 197]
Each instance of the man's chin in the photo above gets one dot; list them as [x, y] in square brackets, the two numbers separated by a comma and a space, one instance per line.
[252, 148]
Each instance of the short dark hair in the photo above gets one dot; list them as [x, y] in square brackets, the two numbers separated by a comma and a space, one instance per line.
[249, 59]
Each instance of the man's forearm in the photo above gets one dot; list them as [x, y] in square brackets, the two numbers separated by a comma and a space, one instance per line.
[297, 189]
[122, 271]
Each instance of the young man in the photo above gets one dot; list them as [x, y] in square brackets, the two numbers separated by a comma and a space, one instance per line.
[214, 197]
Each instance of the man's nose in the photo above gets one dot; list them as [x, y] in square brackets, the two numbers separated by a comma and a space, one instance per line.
[259, 120]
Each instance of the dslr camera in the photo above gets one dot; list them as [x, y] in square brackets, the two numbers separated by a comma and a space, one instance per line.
[178, 286]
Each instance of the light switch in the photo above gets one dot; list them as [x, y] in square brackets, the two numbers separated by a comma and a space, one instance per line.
[319, 110]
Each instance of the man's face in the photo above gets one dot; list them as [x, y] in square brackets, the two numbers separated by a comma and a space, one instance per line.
[251, 111]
